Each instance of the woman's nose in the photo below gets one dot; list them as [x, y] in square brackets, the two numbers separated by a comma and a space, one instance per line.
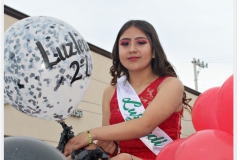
[132, 49]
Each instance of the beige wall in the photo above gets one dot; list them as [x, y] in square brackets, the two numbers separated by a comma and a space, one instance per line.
[19, 124]
[8, 21]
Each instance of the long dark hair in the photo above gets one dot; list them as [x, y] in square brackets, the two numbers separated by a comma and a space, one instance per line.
[160, 64]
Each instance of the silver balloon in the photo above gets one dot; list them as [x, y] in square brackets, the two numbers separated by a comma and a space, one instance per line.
[47, 67]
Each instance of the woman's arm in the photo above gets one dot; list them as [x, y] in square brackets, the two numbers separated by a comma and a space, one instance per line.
[107, 95]
[167, 101]
[108, 146]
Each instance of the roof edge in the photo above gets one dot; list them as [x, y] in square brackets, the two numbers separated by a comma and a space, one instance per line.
[192, 91]
[14, 13]
[99, 50]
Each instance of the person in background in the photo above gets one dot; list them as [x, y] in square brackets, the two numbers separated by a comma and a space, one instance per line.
[142, 107]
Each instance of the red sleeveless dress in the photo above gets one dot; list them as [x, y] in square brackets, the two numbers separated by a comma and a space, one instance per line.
[170, 126]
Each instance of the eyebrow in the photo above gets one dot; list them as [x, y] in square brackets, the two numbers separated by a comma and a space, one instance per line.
[135, 38]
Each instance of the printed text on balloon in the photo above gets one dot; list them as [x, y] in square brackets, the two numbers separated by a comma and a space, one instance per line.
[81, 46]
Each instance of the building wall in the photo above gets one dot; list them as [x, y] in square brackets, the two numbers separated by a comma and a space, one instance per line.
[19, 124]
[187, 125]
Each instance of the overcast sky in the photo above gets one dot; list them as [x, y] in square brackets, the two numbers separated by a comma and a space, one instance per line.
[187, 29]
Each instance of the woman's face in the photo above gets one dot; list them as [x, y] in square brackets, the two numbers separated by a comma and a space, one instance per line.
[135, 51]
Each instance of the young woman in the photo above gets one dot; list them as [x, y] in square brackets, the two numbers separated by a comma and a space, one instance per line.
[143, 105]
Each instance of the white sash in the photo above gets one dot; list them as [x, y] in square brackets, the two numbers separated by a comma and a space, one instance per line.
[132, 108]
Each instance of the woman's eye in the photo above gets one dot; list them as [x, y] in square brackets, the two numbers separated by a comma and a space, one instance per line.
[124, 43]
[141, 42]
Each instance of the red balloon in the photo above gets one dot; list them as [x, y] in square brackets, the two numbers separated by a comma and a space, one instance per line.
[168, 152]
[206, 145]
[225, 106]
[204, 110]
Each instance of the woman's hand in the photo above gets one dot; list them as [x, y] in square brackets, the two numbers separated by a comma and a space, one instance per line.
[108, 146]
[76, 143]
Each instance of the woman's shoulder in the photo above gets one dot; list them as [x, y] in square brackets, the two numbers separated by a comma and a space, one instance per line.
[109, 91]
[170, 79]
[171, 82]
[110, 88]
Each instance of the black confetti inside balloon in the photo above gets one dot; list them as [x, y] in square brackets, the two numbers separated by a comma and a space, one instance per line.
[47, 67]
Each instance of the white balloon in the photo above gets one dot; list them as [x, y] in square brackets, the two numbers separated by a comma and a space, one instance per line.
[47, 67]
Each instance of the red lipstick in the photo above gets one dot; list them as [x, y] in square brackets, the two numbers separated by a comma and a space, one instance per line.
[133, 58]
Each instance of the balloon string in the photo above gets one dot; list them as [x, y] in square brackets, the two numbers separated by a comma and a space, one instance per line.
[65, 136]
